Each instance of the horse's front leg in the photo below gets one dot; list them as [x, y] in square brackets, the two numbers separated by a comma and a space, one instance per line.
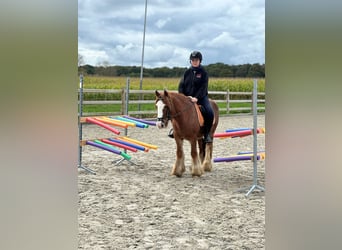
[179, 167]
[196, 169]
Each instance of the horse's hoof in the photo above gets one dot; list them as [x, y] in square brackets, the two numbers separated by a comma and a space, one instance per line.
[196, 175]
[207, 169]
[176, 174]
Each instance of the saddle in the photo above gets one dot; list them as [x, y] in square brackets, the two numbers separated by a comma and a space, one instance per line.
[199, 115]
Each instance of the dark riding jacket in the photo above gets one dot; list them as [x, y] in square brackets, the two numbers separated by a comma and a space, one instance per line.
[195, 83]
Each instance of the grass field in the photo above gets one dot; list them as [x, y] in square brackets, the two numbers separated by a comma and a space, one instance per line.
[215, 84]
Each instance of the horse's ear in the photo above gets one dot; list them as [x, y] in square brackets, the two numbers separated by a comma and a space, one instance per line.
[166, 93]
[157, 93]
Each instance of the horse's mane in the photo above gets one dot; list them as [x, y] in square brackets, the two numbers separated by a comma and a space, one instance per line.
[179, 104]
[179, 96]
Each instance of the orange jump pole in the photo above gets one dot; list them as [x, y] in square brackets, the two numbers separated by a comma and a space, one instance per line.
[111, 122]
[139, 142]
[109, 118]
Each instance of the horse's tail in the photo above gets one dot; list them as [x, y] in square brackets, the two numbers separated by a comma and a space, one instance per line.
[215, 108]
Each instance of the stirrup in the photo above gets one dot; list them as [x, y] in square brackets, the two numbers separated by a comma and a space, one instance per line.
[170, 133]
[208, 139]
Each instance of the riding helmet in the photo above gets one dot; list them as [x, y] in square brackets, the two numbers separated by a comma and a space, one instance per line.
[196, 54]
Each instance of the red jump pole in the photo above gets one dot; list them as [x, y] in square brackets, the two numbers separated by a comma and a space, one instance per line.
[240, 133]
[92, 120]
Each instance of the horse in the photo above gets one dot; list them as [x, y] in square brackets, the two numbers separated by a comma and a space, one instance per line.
[185, 122]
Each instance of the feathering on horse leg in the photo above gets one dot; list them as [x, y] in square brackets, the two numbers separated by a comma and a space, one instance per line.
[207, 163]
[179, 166]
[196, 165]
[196, 169]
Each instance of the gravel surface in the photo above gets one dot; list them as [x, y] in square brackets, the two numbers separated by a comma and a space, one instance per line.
[139, 205]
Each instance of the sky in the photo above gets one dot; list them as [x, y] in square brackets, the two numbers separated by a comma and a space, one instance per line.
[110, 32]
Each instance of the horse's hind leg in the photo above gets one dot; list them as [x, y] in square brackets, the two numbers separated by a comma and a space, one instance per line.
[196, 169]
[179, 167]
[207, 164]
[201, 147]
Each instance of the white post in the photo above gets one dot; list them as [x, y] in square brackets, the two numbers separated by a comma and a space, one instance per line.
[80, 114]
[255, 141]
[142, 53]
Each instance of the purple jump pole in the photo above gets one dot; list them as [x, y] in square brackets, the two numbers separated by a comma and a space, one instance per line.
[110, 149]
[128, 144]
[235, 158]
[119, 145]
[237, 129]
[91, 143]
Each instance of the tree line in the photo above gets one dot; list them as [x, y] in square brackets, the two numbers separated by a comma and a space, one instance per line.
[214, 70]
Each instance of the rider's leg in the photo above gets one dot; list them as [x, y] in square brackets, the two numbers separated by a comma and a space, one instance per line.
[208, 116]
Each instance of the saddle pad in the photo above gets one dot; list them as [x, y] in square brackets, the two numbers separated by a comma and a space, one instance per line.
[199, 115]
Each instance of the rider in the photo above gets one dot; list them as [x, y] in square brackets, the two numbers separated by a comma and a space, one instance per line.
[194, 84]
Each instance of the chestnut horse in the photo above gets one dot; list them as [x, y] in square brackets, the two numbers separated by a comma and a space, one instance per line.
[182, 112]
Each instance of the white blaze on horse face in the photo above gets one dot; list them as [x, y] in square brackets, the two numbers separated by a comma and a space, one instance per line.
[160, 107]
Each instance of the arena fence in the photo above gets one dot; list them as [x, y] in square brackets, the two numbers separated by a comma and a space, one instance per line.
[98, 102]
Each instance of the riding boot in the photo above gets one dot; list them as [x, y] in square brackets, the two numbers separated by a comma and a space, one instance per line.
[170, 133]
[207, 137]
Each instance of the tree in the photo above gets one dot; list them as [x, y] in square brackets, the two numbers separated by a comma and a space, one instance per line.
[80, 60]
[242, 70]
[256, 70]
[104, 64]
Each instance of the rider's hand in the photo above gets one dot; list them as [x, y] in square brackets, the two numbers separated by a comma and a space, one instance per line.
[193, 99]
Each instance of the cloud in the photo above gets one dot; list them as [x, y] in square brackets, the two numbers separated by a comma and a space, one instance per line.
[222, 40]
[161, 22]
[224, 31]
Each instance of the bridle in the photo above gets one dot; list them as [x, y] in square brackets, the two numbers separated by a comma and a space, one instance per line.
[168, 112]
